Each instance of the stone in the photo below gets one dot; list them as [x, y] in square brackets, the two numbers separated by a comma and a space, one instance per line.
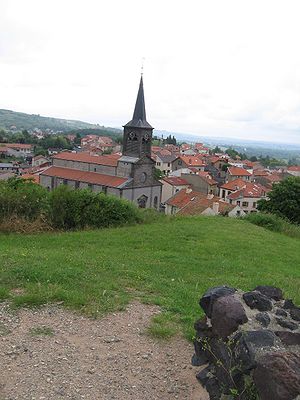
[281, 312]
[289, 338]
[288, 304]
[295, 314]
[207, 300]
[213, 388]
[257, 300]
[247, 344]
[285, 323]
[204, 375]
[198, 360]
[277, 376]
[263, 318]
[271, 292]
[227, 314]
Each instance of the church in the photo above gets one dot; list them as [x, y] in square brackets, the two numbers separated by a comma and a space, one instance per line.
[130, 176]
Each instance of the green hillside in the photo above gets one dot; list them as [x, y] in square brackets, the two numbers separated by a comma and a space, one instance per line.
[31, 121]
[170, 263]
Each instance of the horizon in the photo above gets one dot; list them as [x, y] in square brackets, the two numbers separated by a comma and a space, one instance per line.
[231, 82]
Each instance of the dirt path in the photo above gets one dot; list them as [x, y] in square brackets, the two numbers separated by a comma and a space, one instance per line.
[109, 358]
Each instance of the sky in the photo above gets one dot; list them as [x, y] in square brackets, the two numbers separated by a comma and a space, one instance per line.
[213, 68]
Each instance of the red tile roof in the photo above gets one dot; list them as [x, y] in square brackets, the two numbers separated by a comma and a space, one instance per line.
[181, 198]
[295, 168]
[260, 172]
[234, 185]
[175, 181]
[193, 203]
[83, 176]
[35, 178]
[192, 161]
[254, 190]
[17, 145]
[109, 160]
[237, 171]
[200, 204]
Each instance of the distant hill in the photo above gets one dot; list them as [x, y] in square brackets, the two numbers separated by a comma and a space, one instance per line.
[22, 121]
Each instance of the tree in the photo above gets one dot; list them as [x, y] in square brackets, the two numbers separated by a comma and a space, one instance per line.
[158, 174]
[284, 200]
[216, 150]
[253, 159]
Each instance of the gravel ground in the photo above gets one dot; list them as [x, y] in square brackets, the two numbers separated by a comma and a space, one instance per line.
[80, 358]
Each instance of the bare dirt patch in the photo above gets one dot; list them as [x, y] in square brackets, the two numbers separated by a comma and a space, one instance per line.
[52, 353]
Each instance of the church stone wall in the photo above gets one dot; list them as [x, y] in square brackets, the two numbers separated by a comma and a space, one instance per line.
[82, 166]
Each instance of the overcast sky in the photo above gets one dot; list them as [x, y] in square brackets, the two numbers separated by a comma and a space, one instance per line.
[213, 68]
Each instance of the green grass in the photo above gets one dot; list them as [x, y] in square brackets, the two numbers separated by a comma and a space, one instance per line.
[169, 263]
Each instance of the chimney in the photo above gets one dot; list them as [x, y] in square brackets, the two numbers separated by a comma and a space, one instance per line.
[188, 190]
[215, 207]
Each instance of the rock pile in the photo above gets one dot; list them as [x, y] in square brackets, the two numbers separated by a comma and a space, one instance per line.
[251, 343]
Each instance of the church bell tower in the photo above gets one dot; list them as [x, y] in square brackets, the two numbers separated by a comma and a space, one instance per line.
[137, 134]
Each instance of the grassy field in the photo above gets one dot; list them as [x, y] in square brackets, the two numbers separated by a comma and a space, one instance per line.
[169, 263]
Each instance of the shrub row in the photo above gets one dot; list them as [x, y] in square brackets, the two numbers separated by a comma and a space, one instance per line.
[274, 223]
[63, 208]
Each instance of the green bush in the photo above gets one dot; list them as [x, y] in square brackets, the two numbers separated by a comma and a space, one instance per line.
[22, 198]
[76, 209]
[273, 223]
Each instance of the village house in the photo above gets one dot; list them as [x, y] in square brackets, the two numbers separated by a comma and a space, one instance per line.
[226, 188]
[129, 176]
[164, 161]
[202, 181]
[18, 150]
[190, 202]
[236, 172]
[248, 196]
[172, 185]
[39, 160]
[188, 162]
[294, 170]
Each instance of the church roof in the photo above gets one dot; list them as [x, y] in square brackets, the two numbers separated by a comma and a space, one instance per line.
[139, 114]
[85, 176]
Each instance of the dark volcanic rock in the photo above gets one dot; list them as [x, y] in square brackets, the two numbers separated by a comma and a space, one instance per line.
[263, 318]
[227, 314]
[257, 300]
[288, 304]
[213, 388]
[212, 294]
[277, 376]
[295, 314]
[289, 338]
[285, 323]
[281, 312]
[248, 343]
[270, 291]
[204, 375]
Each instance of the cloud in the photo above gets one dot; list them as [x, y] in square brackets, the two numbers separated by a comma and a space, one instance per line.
[211, 67]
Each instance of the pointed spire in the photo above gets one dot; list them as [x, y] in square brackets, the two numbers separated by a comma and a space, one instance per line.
[139, 114]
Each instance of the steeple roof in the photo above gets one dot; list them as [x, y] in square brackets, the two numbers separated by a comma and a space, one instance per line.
[139, 114]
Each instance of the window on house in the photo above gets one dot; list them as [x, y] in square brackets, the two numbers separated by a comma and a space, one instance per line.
[65, 181]
[245, 204]
[238, 203]
[238, 212]
[155, 202]
[77, 183]
[90, 186]
[254, 205]
[95, 169]
[168, 164]
[179, 162]
[158, 164]
[104, 189]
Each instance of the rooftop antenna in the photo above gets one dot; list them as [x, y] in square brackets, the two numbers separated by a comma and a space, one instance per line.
[142, 66]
